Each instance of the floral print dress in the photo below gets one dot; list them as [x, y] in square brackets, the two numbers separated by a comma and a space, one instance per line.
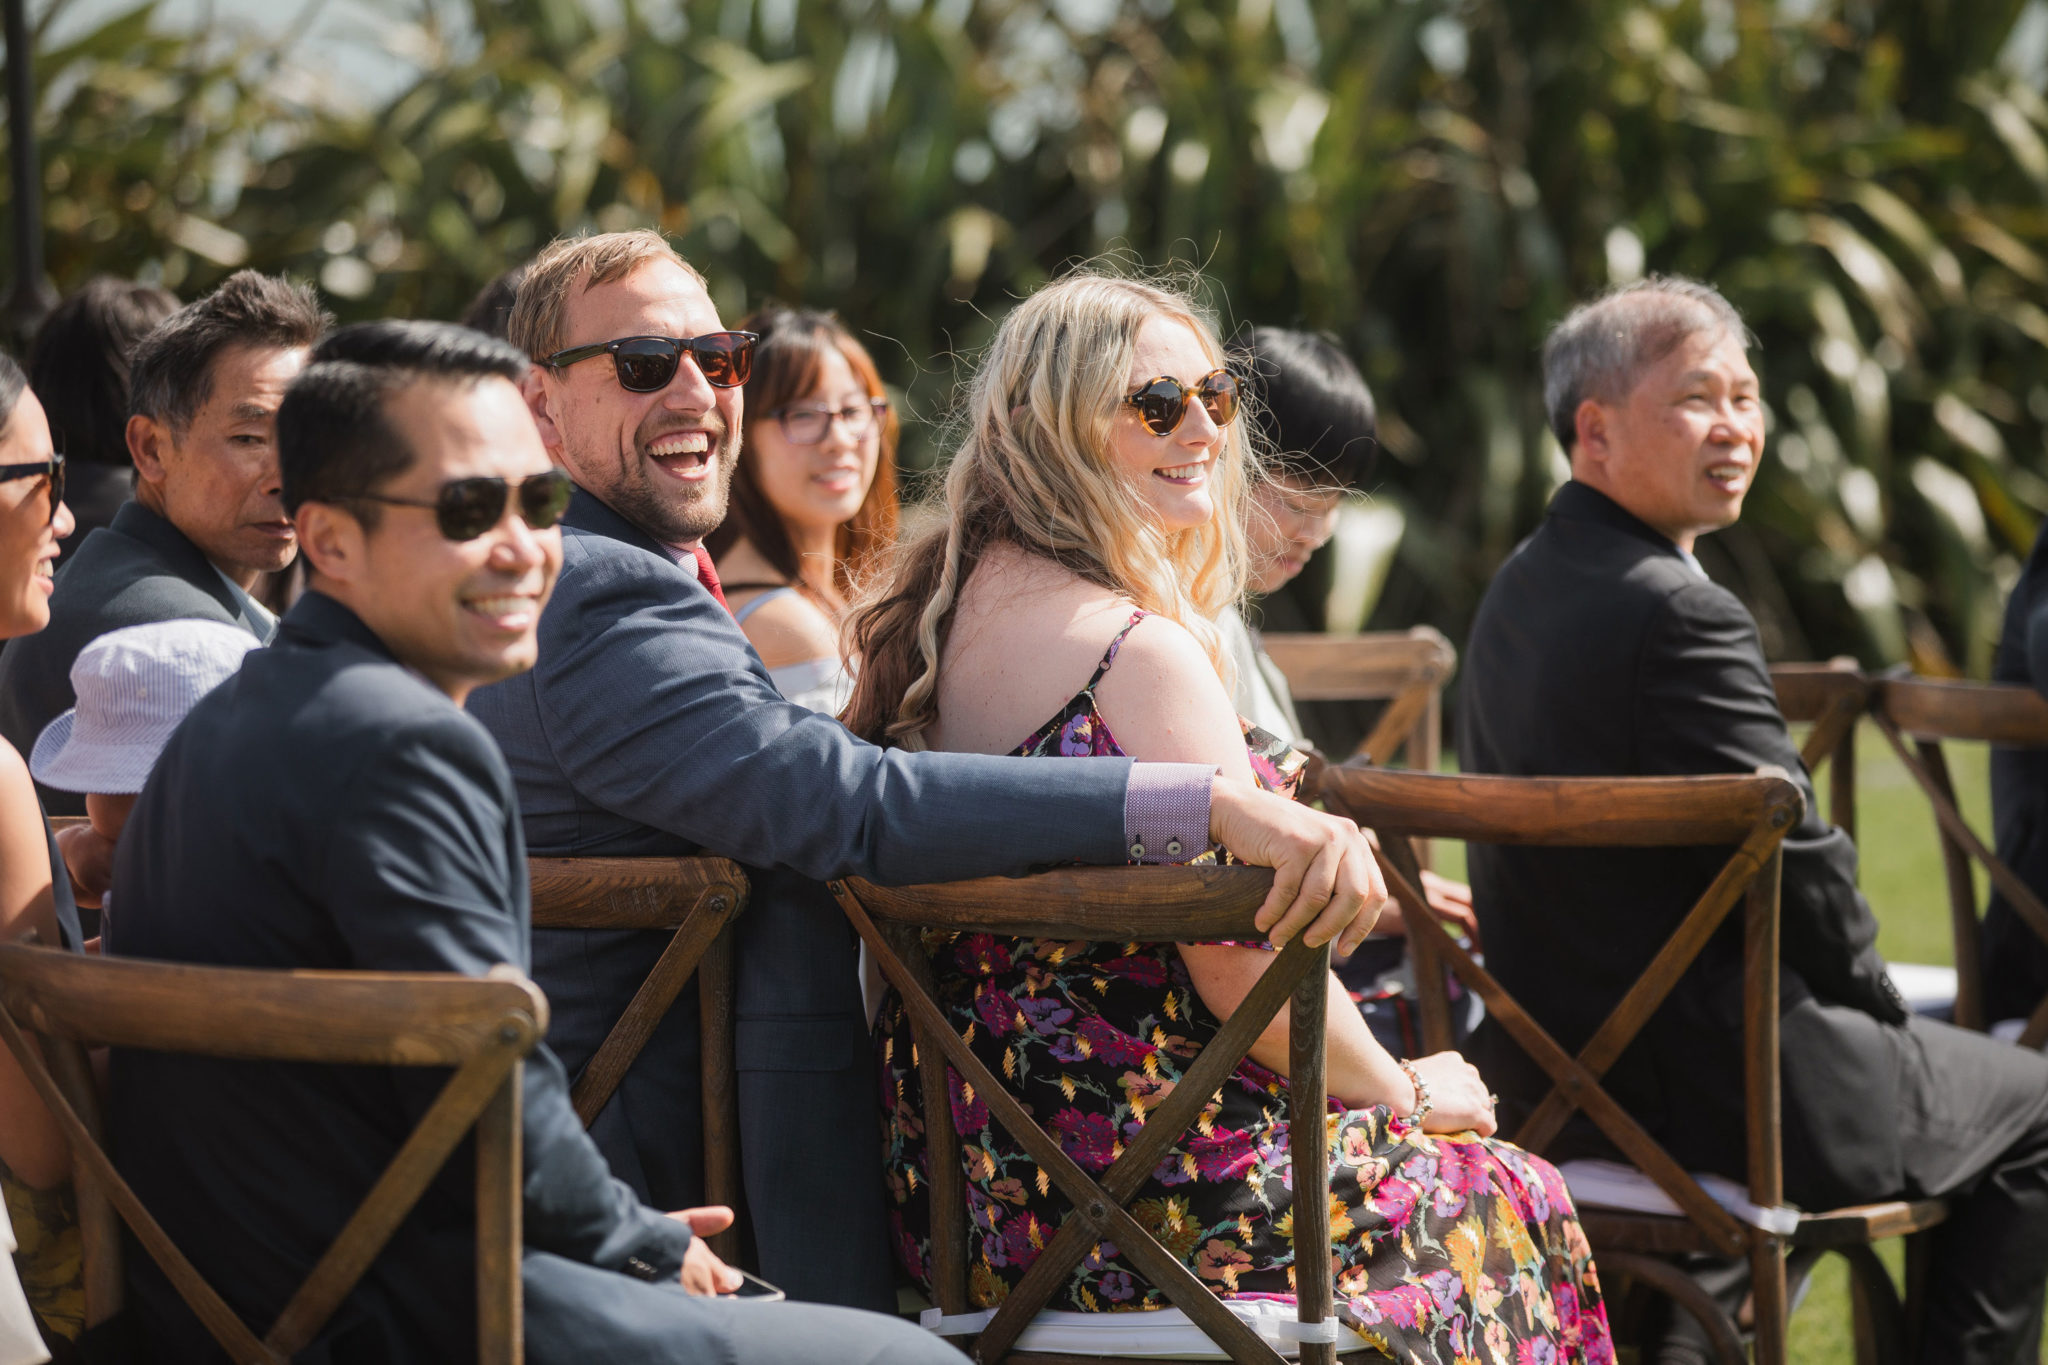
[1447, 1249]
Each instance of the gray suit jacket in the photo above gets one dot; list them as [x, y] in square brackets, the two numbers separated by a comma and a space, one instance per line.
[650, 727]
[325, 808]
[140, 569]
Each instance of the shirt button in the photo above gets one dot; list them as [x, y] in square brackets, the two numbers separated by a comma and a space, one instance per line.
[1137, 850]
[1173, 848]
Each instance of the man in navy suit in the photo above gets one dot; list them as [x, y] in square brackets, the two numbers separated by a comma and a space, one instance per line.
[332, 807]
[650, 727]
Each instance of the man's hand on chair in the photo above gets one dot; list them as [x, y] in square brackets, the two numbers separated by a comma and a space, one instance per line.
[1326, 885]
[703, 1272]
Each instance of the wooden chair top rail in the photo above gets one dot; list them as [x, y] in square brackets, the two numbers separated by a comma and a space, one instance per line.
[1806, 691]
[1996, 713]
[360, 1018]
[1103, 904]
[1574, 812]
[1353, 667]
[628, 893]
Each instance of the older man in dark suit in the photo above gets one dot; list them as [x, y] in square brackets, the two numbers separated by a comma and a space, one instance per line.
[650, 726]
[206, 520]
[332, 807]
[1602, 649]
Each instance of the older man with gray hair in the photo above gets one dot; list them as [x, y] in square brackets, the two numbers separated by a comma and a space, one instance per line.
[1603, 649]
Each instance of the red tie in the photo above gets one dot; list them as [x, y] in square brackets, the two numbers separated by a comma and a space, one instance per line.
[708, 576]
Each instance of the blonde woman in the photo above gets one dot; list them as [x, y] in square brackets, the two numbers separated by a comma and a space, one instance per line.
[1064, 605]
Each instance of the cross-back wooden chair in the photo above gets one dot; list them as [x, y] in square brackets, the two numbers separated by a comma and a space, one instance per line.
[1750, 814]
[1405, 669]
[481, 1027]
[1831, 697]
[1916, 716]
[697, 898]
[1109, 904]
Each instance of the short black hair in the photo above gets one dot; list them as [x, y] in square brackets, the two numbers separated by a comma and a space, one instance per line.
[13, 383]
[1310, 403]
[170, 376]
[334, 440]
[78, 365]
[490, 312]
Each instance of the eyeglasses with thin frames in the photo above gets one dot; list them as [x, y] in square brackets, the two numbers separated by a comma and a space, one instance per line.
[806, 426]
[51, 469]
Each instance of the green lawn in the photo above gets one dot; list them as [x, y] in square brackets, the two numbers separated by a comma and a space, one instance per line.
[1902, 877]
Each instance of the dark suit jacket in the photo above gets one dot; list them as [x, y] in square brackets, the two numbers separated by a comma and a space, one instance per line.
[650, 727]
[140, 569]
[1599, 650]
[2015, 959]
[326, 808]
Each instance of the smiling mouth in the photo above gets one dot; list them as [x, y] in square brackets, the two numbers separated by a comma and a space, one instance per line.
[511, 611]
[682, 454]
[1729, 477]
[1185, 475]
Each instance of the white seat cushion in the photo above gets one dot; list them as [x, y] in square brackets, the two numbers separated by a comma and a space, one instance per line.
[1158, 1333]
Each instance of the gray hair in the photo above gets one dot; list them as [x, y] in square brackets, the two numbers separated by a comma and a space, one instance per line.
[1602, 348]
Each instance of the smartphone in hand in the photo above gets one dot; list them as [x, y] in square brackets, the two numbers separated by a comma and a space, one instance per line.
[754, 1289]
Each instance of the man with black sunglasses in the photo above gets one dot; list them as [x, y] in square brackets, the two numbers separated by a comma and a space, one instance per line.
[331, 807]
[205, 522]
[650, 727]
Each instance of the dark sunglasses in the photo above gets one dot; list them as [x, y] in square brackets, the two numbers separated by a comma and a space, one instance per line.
[1163, 402]
[466, 508]
[51, 469]
[647, 364]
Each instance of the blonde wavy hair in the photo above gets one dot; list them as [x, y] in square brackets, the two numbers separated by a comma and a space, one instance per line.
[1033, 469]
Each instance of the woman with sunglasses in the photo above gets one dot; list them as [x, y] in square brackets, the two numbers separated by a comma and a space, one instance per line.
[1091, 533]
[813, 499]
[35, 894]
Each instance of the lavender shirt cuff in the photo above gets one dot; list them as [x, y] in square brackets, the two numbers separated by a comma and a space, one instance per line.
[1166, 812]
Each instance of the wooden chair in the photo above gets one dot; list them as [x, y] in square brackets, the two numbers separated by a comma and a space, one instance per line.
[1406, 669]
[1101, 904]
[1831, 697]
[481, 1027]
[698, 898]
[1929, 713]
[1753, 814]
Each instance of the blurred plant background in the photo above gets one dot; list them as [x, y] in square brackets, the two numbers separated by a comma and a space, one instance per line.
[1434, 181]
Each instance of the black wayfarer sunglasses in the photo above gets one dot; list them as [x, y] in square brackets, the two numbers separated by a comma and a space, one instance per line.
[1163, 402]
[647, 364]
[466, 508]
[51, 469]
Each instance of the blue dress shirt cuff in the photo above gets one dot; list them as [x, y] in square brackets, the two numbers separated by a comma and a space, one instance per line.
[1166, 812]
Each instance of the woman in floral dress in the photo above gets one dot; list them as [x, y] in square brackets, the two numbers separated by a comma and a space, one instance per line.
[1091, 534]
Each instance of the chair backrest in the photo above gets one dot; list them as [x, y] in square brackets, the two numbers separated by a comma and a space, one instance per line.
[1157, 904]
[1916, 715]
[697, 898]
[1405, 669]
[1750, 814]
[482, 1027]
[1831, 697]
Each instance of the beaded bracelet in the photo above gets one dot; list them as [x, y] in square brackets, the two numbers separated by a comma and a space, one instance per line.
[1423, 1103]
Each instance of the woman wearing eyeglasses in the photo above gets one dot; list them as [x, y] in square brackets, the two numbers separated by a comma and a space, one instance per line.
[1065, 604]
[34, 893]
[813, 500]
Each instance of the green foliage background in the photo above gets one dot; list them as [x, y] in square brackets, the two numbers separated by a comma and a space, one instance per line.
[1434, 181]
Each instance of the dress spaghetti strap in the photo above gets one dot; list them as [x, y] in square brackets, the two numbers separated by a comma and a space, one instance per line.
[1109, 655]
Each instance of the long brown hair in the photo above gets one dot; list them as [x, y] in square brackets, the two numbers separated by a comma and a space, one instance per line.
[1032, 471]
[787, 363]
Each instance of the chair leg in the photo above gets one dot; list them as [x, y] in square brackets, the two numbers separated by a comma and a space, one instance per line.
[1768, 1296]
[1682, 1289]
[1919, 1253]
[1880, 1320]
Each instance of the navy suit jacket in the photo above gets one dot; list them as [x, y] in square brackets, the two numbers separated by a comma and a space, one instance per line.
[139, 570]
[327, 808]
[1598, 651]
[650, 727]
[2015, 958]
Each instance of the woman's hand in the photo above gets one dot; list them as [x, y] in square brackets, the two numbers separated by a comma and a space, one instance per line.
[1458, 1097]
